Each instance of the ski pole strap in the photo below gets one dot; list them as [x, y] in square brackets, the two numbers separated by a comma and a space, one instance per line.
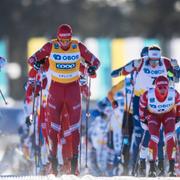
[87, 118]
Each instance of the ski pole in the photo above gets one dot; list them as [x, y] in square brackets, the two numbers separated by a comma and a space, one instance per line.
[39, 128]
[80, 148]
[87, 118]
[34, 122]
[3, 97]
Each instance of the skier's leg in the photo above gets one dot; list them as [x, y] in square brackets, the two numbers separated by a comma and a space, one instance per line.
[54, 105]
[73, 104]
[154, 128]
[161, 154]
[137, 132]
[127, 145]
[169, 128]
[143, 154]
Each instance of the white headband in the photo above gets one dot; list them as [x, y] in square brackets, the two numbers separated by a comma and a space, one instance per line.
[162, 83]
[65, 34]
[156, 54]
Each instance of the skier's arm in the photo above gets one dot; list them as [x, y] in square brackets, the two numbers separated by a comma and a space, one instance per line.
[41, 55]
[89, 58]
[143, 106]
[176, 70]
[132, 66]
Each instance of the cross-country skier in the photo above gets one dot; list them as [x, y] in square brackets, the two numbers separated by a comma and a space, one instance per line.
[147, 69]
[98, 137]
[124, 87]
[64, 56]
[160, 105]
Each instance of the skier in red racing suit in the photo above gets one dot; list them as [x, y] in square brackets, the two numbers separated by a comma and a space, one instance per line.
[64, 55]
[160, 105]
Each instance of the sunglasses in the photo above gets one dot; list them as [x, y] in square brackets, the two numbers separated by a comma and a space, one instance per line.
[65, 41]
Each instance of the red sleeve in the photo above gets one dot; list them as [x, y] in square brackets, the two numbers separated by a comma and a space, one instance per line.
[32, 73]
[90, 58]
[177, 101]
[142, 105]
[41, 54]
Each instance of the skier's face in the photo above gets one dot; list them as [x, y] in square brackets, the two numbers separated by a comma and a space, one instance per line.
[65, 43]
[162, 89]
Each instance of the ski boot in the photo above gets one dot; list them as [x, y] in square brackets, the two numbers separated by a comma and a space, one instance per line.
[161, 168]
[152, 170]
[74, 165]
[53, 165]
[133, 172]
[142, 168]
[171, 171]
[66, 167]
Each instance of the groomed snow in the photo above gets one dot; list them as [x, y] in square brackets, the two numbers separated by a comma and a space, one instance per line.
[85, 177]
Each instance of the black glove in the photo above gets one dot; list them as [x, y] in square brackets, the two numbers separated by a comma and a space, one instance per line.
[116, 72]
[177, 119]
[114, 104]
[91, 70]
[28, 121]
[37, 64]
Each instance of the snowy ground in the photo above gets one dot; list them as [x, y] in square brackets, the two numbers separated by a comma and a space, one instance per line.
[11, 159]
[86, 177]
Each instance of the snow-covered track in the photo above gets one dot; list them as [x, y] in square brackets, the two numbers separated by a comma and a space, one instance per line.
[85, 177]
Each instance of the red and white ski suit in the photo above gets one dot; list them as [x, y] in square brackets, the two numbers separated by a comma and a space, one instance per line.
[34, 78]
[157, 113]
[64, 90]
[146, 71]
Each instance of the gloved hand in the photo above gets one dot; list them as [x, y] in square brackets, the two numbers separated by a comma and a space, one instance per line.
[126, 140]
[177, 125]
[92, 71]
[114, 104]
[144, 125]
[117, 159]
[37, 64]
[116, 73]
[28, 121]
